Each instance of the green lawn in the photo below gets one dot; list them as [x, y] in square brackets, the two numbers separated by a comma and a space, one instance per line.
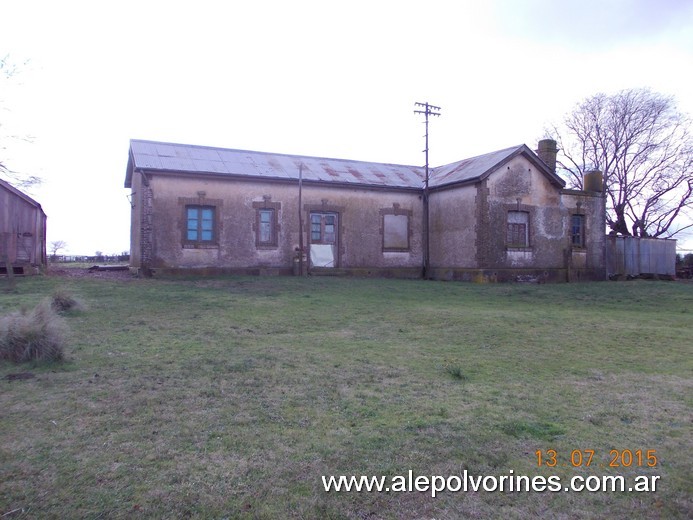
[231, 397]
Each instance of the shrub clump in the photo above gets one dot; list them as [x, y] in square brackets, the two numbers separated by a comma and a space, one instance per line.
[62, 301]
[36, 335]
[454, 370]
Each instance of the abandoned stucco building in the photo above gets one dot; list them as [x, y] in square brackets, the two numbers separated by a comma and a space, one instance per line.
[495, 217]
[22, 232]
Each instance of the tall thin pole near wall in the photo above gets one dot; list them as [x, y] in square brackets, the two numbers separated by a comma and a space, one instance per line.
[428, 110]
[300, 220]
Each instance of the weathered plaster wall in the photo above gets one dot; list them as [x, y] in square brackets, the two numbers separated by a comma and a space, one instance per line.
[453, 227]
[360, 223]
[519, 186]
[588, 262]
[136, 211]
[469, 228]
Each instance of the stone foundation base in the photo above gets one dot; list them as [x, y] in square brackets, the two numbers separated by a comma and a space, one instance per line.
[553, 275]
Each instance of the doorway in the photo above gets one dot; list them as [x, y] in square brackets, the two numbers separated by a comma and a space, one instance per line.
[324, 239]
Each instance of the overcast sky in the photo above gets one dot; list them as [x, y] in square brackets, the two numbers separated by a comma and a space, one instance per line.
[323, 78]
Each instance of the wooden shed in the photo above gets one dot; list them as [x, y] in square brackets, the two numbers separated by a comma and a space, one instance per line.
[22, 232]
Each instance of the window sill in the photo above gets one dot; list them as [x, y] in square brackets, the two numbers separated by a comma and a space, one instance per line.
[397, 250]
[520, 249]
[266, 247]
[200, 246]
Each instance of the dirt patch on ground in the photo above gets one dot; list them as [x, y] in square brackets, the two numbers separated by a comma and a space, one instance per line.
[19, 376]
[79, 272]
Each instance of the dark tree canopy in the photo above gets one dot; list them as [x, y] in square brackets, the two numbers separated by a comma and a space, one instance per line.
[643, 146]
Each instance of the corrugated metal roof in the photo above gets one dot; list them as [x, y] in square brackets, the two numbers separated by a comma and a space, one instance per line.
[20, 194]
[148, 155]
[470, 169]
[152, 155]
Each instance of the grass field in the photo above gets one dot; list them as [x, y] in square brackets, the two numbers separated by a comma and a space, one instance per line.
[231, 397]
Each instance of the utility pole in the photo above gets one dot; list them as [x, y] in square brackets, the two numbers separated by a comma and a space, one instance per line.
[428, 110]
[300, 220]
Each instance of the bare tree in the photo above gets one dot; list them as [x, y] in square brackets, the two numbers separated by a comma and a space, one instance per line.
[23, 181]
[57, 246]
[6, 71]
[644, 148]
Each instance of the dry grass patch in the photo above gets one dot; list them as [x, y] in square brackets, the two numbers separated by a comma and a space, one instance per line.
[35, 335]
[64, 301]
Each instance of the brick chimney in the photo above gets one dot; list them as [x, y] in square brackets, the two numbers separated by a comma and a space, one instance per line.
[547, 149]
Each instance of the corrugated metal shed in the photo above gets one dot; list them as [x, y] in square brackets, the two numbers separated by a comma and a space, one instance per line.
[170, 157]
[634, 256]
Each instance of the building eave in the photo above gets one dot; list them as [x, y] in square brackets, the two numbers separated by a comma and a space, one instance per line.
[273, 180]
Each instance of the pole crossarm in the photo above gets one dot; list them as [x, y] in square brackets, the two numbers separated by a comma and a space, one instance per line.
[429, 110]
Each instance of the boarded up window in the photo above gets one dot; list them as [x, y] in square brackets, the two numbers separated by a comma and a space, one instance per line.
[395, 228]
[395, 232]
[518, 229]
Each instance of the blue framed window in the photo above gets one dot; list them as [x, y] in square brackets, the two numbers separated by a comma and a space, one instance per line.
[200, 224]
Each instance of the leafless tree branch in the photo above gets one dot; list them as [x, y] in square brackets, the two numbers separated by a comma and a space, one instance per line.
[21, 180]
